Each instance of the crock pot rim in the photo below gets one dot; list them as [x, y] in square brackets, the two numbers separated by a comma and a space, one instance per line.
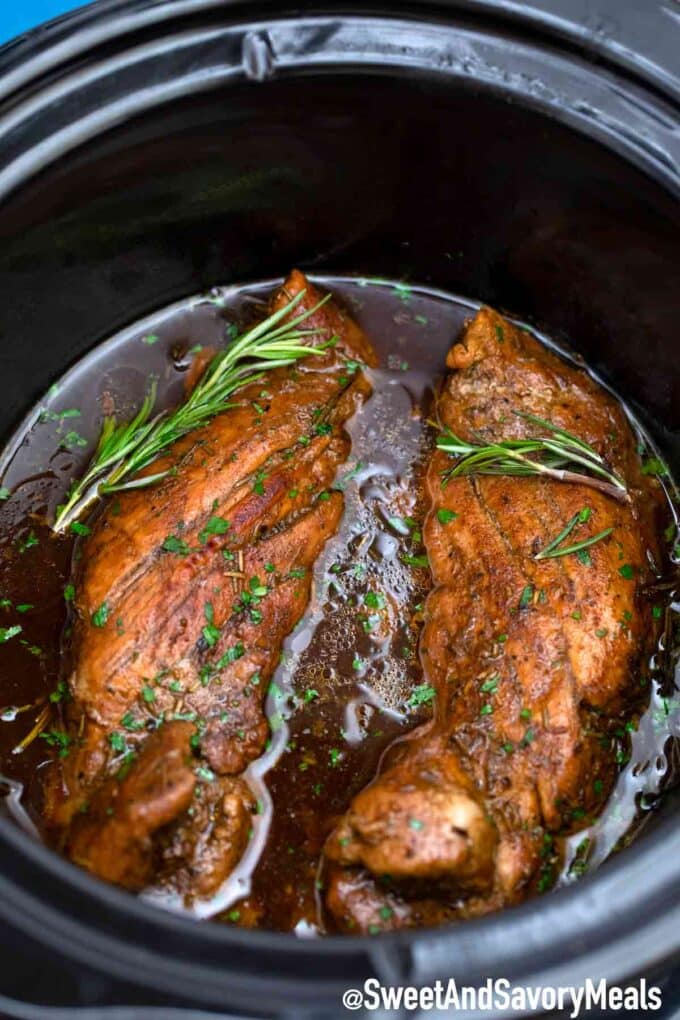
[651, 857]
[556, 19]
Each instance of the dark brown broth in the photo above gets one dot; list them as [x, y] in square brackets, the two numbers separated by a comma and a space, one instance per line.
[345, 688]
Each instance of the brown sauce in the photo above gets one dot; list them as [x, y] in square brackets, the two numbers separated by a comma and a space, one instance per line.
[348, 683]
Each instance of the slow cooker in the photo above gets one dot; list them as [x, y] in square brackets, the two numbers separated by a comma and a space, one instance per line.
[526, 155]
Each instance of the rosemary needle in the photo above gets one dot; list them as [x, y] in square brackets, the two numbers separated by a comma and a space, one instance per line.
[544, 553]
[552, 456]
[551, 552]
[124, 449]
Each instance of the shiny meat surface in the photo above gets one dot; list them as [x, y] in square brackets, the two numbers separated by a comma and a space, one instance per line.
[534, 662]
[184, 594]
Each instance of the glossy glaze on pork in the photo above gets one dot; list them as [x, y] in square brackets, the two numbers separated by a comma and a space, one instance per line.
[535, 663]
[209, 734]
[184, 593]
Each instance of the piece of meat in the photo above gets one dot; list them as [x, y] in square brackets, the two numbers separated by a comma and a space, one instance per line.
[184, 594]
[534, 662]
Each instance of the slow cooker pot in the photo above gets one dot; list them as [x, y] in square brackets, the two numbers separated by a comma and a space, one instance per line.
[524, 155]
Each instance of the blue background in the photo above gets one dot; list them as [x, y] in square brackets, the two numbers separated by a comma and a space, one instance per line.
[19, 15]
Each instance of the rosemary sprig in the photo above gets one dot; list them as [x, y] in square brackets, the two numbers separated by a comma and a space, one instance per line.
[579, 517]
[578, 546]
[552, 456]
[125, 449]
[555, 548]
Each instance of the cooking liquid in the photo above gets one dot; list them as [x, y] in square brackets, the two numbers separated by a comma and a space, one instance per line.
[347, 686]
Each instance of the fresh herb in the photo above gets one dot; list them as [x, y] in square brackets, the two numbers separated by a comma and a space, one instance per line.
[129, 722]
[446, 516]
[4, 493]
[173, 544]
[526, 597]
[79, 529]
[100, 616]
[28, 542]
[211, 633]
[554, 456]
[117, 742]
[214, 526]
[654, 466]
[414, 561]
[7, 633]
[551, 551]
[423, 694]
[126, 448]
[374, 600]
[576, 519]
[231, 655]
[60, 693]
[72, 440]
[627, 572]
[58, 739]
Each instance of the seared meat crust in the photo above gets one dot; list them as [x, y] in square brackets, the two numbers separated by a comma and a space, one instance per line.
[185, 592]
[534, 662]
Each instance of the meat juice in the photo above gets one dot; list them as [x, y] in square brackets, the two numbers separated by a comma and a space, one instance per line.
[349, 683]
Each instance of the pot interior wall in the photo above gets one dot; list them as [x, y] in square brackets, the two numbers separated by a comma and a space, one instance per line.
[446, 185]
[410, 178]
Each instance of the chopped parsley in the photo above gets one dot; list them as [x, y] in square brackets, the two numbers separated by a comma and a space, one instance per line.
[100, 616]
[117, 742]
[173, 544]
[237, 651]
[423, 694]
[211, 633]
[214, 526]
[58, 739]
[415, 561]
[7, 633]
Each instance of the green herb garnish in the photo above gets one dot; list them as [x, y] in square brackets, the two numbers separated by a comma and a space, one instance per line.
[552, 456]
[423, 694]
[7, 633]
[125, 448]
[100, 616]
[173, 544]
[554, 548]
